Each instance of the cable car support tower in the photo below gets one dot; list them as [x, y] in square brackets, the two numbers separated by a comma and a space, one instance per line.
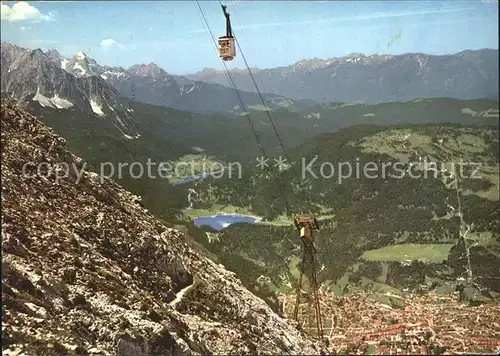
[305, 224]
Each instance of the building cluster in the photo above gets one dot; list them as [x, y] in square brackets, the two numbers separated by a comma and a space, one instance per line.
[430, 324]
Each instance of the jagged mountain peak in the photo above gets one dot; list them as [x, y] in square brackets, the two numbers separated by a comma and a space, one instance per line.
[148, 70]
[37, 53]
[80, 55]
[83, 57]
[312, 63]
[381, 56]
[10, 46]
[81, 65]
[209, 71]
[53, 52]
[54, 56]
[149, 66]
[206, 74]
[355, 54]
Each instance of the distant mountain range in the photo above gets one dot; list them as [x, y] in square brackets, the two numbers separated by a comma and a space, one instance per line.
[470, 74]
[80, 83]
[143, 82]
[355, 78]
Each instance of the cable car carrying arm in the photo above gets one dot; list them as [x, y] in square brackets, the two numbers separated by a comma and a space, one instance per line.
[229, 32]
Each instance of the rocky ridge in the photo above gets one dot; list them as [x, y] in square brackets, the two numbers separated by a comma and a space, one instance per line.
[87, 270]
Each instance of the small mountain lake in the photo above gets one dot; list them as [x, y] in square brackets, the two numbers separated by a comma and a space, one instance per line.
[220, 221]
[191, 178]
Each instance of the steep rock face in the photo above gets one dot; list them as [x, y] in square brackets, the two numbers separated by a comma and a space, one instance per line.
[87, 270]
[37, 77]
[8, 54]
[146, 83]
[150, 70]
[33, 73]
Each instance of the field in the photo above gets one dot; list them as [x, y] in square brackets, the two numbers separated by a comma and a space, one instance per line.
[430, 253]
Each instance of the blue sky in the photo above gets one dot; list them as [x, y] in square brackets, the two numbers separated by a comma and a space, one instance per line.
[271, 33]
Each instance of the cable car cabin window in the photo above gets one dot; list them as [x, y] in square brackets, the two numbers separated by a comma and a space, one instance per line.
[226, 48]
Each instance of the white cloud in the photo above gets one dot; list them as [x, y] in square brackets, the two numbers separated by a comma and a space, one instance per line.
[109, 42]
[22, 11]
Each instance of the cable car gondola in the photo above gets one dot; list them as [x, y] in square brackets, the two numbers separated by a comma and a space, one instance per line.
[227, 50]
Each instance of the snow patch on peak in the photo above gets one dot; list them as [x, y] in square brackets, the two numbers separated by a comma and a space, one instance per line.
[77, 66]
[191, 89]
[42, 99]
[55, 102]
[64, 62]
[128, 137]
[112, 73]
[353, 60]
[96, 108]
[61, 103]
[80, 55]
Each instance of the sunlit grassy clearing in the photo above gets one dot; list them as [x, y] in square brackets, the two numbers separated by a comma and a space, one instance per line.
[431, 253]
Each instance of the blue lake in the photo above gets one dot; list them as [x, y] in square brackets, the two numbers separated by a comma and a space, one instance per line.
[220, 221]
[191, 179]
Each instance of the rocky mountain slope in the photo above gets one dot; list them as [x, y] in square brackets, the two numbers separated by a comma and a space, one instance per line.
[87, 270]
[376, 78]
[151, 84]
